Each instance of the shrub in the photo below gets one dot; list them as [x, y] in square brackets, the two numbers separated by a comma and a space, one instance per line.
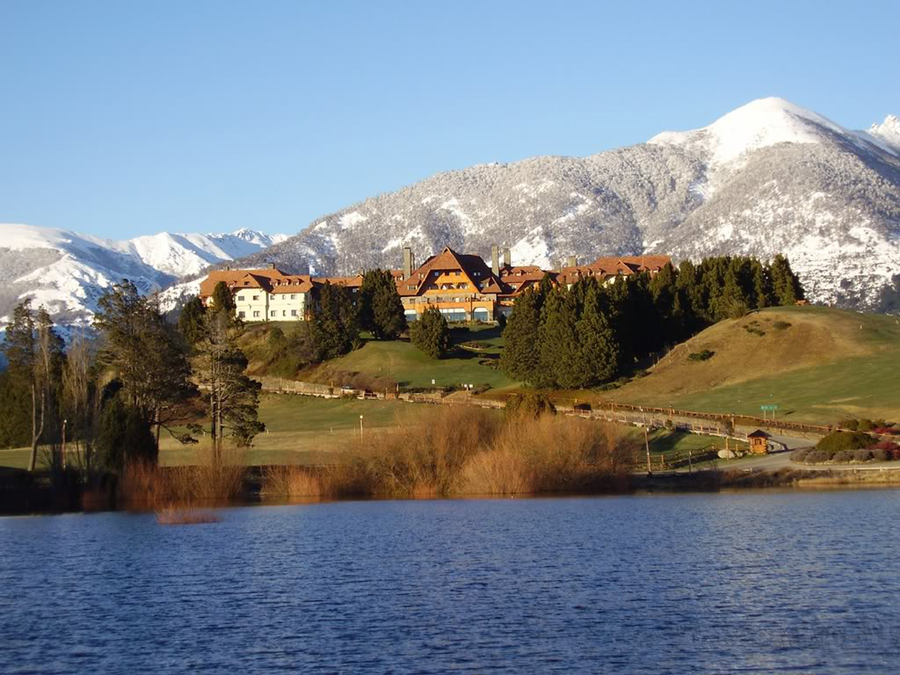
[865, 425]
[850, 424]
[753, 330]
[844, 440]
[881, 455]
[704, 355]
[886, 430]
[529, 404]
[816, 456]
[862, 454]
[844, 456]
[800, 454]
[431, 333]
[781, 325]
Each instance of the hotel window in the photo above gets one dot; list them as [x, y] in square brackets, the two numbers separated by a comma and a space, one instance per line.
[273, 313]
[241, 314]
[256, 297]
[284, 312]
[240, 298]
[256, 314]
[293, 296]
[293, 312]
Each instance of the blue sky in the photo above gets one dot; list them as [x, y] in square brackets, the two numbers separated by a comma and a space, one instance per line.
[127, 118]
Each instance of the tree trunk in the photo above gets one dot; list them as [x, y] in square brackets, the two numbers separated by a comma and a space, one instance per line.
[36, 429]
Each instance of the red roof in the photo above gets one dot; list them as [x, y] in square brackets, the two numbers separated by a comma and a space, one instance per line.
[449, 260]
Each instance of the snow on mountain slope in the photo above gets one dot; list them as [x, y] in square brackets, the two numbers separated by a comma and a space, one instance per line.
[67, 272]
[759, 124]
[767, 178]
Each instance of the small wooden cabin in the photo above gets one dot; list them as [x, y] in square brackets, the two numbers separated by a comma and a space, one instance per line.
[759, 442]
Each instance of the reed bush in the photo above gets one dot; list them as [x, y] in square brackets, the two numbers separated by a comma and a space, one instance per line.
[551, 454]
[146, 486]
[464, 451]
[291, 482]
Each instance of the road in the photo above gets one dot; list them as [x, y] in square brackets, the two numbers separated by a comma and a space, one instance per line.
[781, 459]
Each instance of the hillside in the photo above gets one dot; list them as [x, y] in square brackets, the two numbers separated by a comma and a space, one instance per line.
[770, 177]
[816, 364]
[379, 365]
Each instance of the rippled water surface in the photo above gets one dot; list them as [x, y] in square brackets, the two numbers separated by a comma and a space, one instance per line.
[750, 582]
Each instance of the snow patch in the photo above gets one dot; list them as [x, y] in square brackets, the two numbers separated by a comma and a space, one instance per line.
[350, 219]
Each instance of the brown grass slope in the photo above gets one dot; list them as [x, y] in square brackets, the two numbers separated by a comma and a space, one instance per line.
[817, 361]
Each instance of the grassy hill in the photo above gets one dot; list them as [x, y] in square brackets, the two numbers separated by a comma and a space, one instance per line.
[378, 365]
[400, 361]
[816, 364]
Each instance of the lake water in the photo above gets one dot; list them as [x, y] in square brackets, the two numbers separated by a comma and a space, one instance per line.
[749, 582]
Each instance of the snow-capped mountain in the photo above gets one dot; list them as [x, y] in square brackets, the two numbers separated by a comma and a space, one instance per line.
[67, 272]
[770, 177]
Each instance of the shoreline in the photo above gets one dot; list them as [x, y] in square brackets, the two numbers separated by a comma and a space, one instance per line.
[44, 500]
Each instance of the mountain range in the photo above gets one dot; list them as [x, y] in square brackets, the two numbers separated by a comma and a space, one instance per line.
[770, 177]
[67, 272]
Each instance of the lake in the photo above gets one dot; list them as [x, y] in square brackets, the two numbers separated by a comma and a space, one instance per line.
[751, 582]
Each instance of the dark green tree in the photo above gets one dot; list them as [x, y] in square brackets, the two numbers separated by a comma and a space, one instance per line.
[223, 301]
[430, 333]
[785, 284]
[598, 349]
[557, 343]
[123, 437]
[334, 325]
[520, 357]
[762, 285]
[380, 309]
[191, 321]
[145, 353]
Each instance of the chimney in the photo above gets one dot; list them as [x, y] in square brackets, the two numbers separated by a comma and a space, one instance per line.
[407, 262]
[271, 266]
[495, 260]
[507, 258]
[571, 261]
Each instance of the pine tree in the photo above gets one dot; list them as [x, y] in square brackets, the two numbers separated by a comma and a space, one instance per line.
[223, 301]
[558, 344]
[693, 304]
[380, 309]
[233, 397]
[190, 323]
[762, 285]
[520, 339]
[430, 333]
[785, 284]
[334, 325]
[598, 349]
[145, 354]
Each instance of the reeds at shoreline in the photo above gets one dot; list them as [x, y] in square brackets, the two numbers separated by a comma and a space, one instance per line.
[464, 451]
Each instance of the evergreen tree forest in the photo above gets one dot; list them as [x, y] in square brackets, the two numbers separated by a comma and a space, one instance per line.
[593, 332]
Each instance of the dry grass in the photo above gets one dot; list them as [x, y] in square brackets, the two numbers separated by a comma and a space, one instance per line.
[551, 454]
[291, 481]
[144, 486]
[171, 515]
[465, 451]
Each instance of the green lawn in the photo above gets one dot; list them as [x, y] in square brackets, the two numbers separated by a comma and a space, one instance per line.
[406, 365]
[301, 429]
